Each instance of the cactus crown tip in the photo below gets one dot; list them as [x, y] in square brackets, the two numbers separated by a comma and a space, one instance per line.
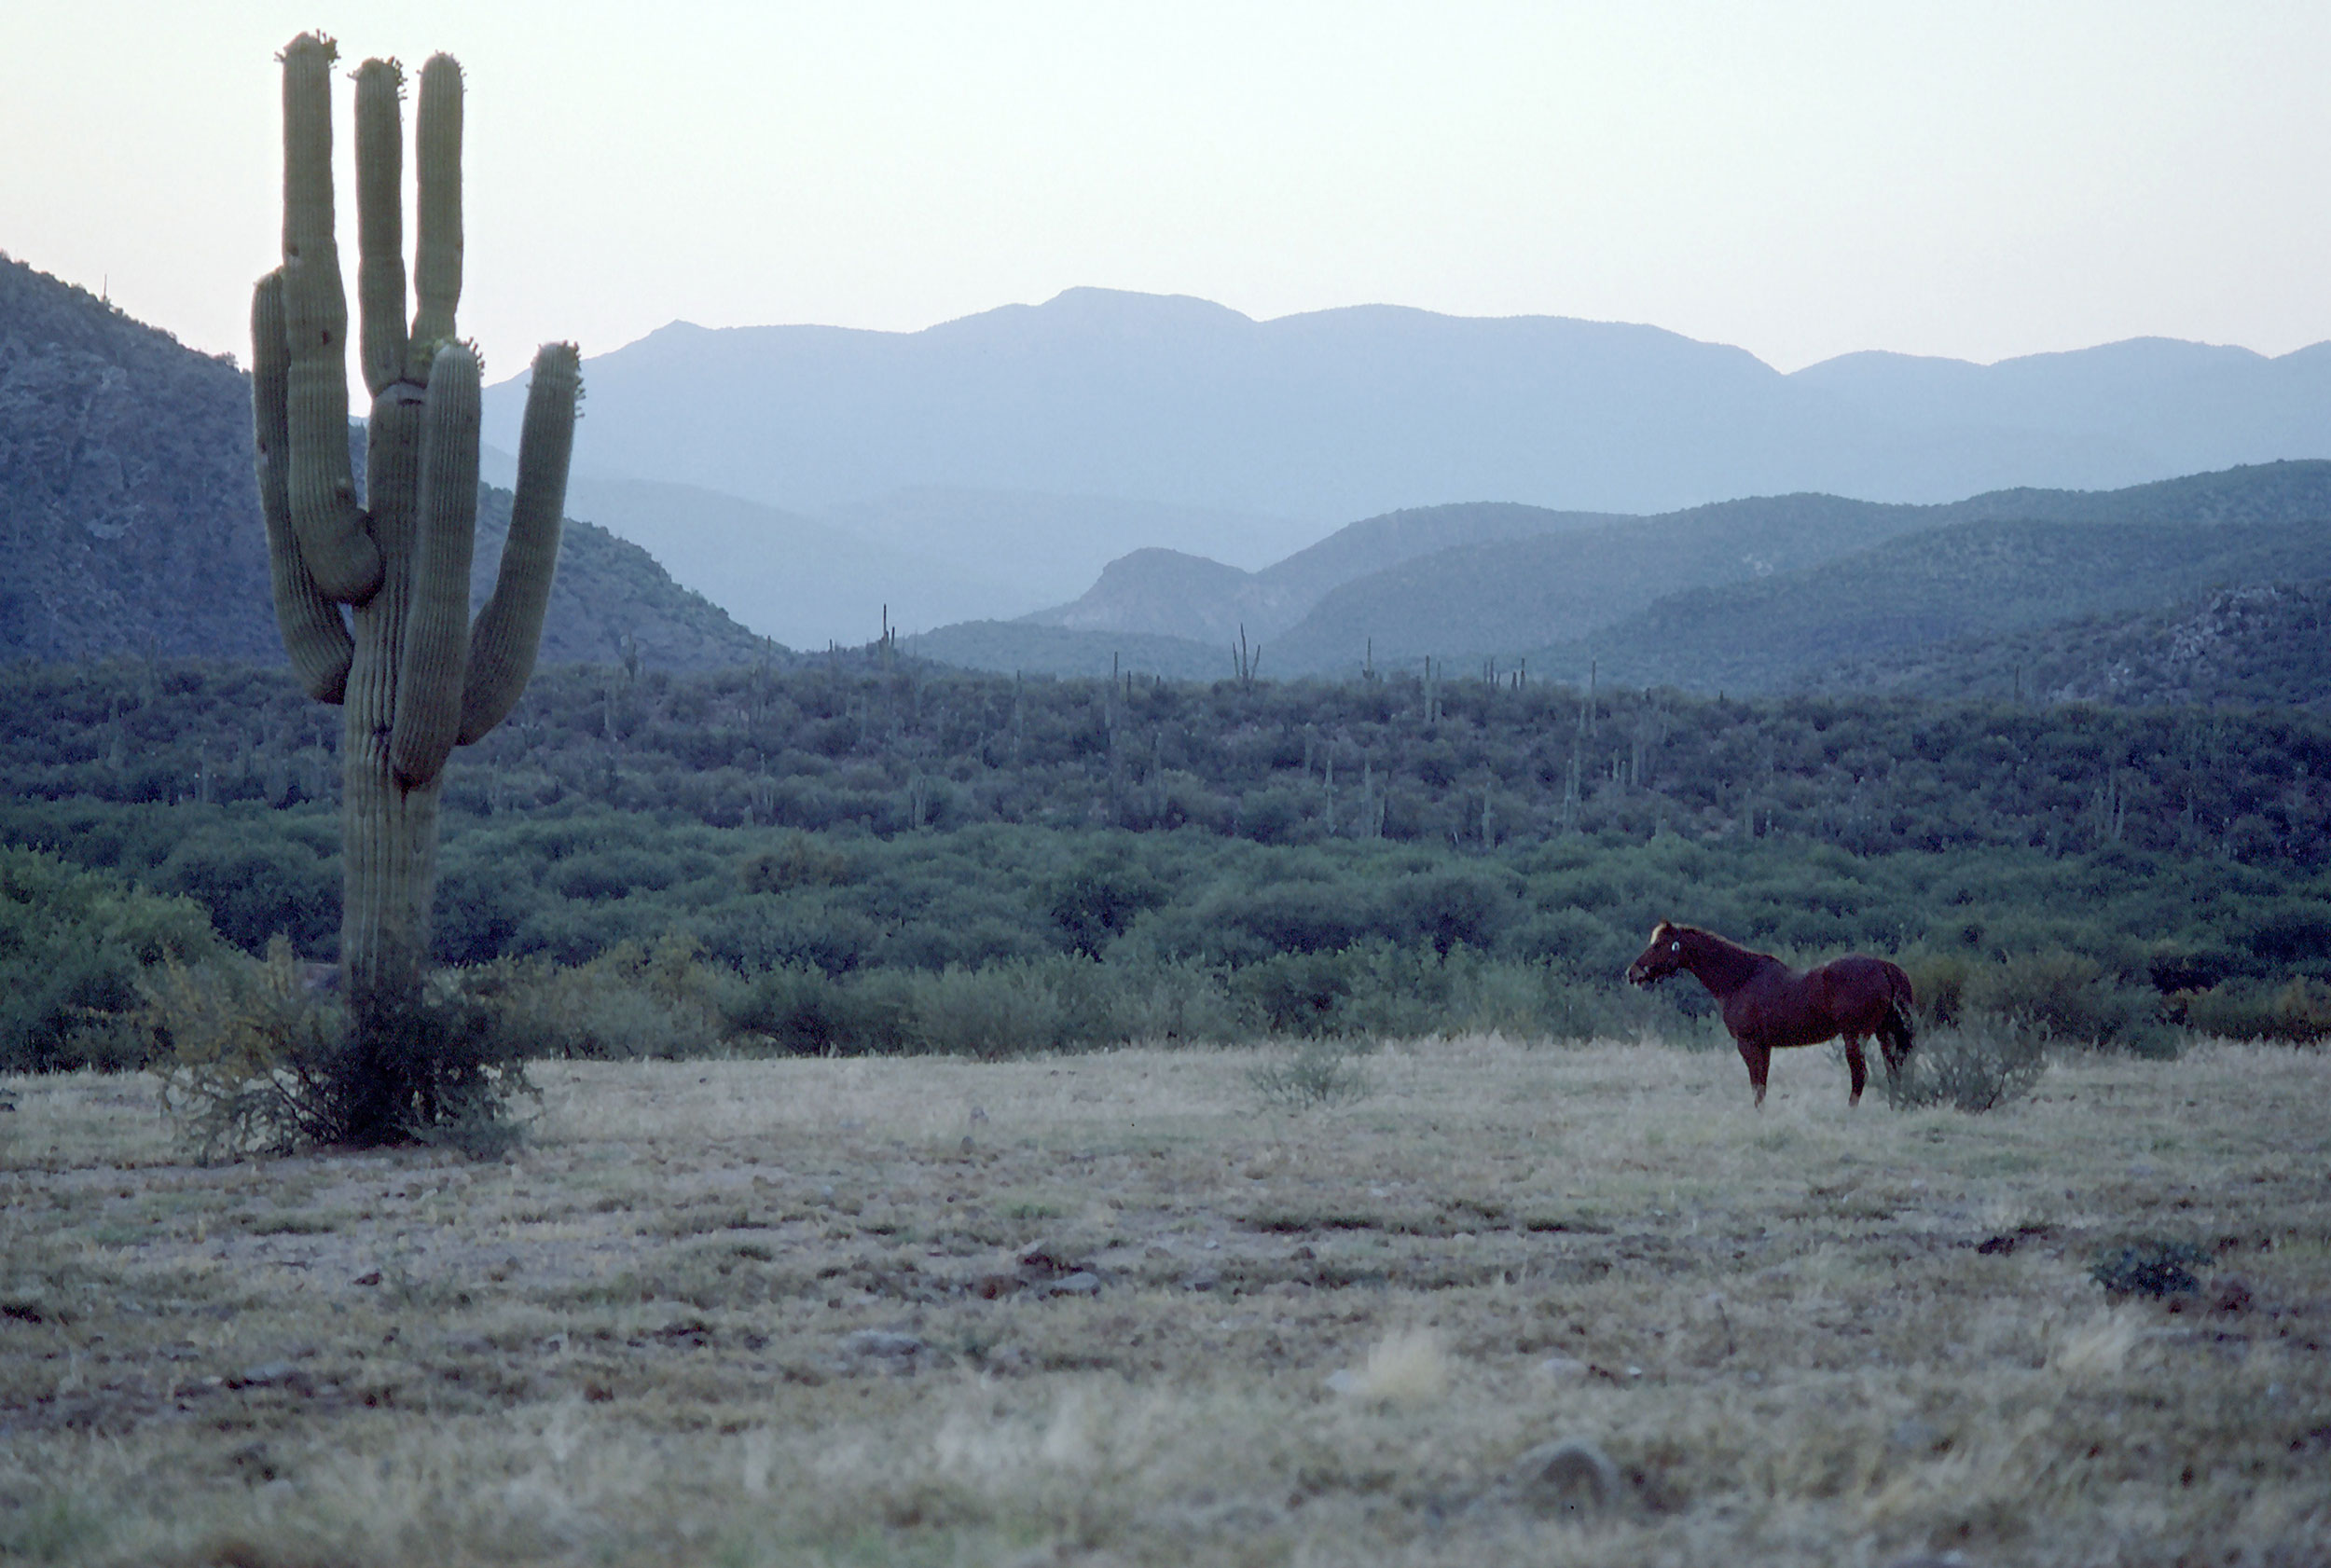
[319, 39]
[394, 67]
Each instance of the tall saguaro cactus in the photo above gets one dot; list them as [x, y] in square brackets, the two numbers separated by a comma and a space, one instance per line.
[416, 677]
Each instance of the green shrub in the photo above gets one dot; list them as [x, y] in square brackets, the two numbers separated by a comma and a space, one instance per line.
[1097, 903]
[799, 860]
[634, 1002]
[1938, 982]
[2071, 1000]
[1181, 1003]
[1318, 1072]
[252, 1061]
[1297, 994]
[2299, 1011]
[75, 948]
[794, 1009]
[258, 888]
[994, 1013]
[1516, 1000]
[1981, 1064]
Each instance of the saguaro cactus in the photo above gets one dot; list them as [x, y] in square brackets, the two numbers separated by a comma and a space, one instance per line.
[415, 676]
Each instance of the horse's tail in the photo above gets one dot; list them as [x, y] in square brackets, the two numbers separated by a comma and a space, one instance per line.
[1898, 1033]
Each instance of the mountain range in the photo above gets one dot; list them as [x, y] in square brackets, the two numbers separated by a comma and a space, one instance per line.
[812, 480]
[126, 497]
[1347, 413]
[1750, 595]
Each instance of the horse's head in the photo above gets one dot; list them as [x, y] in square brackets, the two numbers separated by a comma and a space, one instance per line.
[1661, 956]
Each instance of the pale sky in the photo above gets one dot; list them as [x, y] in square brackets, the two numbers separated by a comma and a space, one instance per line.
[1968, 179]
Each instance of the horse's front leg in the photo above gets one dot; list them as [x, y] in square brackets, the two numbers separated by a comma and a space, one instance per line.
[1857, 1066]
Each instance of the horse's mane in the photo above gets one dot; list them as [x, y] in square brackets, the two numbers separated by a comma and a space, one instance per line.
[1722, 944]
[1733, 963]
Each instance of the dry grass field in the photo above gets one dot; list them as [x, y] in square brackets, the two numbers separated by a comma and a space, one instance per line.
[1114, 1309]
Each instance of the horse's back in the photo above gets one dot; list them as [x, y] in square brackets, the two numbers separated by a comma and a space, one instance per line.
[1859, 983]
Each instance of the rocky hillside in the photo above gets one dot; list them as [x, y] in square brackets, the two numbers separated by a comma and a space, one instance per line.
[1974, 580]
[131, 524]
[126, 503]
[2261, 646]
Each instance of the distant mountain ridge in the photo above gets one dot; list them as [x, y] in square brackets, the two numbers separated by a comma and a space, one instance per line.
[1960, 582]
[1165, 593]
[1739, 594]
[131, 515]
[1360, 411]
[922, 557]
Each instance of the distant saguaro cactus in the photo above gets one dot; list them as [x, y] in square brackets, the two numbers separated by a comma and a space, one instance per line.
[416, 677]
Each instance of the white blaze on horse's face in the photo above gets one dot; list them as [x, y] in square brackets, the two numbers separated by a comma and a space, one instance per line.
[1655, 965]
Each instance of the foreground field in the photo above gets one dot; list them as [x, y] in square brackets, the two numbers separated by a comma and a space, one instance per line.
[1113, 1309]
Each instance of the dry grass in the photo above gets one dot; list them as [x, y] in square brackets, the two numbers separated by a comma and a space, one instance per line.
[814, 1312]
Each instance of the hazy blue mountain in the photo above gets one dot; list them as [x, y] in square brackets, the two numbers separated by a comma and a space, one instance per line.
[2190, 406]
[930, 557]
[1167, 593]
[1052, 546]
[1373, 543]
[803, 582]
[1354, 412]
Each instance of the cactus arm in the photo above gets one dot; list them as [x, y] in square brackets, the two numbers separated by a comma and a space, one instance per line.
[339, 553]
[509, 631]
[381, 221]
[437, 251]
[431, 665]
[315, 635]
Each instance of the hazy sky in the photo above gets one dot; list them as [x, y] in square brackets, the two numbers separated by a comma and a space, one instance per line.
[1966, 179]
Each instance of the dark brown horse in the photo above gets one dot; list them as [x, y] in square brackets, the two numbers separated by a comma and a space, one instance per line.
[1768, 1007]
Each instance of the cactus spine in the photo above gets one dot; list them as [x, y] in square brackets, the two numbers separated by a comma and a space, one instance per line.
[414, 676]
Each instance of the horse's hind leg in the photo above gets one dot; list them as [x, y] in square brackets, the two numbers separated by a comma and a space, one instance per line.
[1855, 1065]
[1759, 1060]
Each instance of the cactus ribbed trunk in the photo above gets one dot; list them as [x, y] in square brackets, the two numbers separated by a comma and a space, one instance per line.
[388, 829]
[416, 677]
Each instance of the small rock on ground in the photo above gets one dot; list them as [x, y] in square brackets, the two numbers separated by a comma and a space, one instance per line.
[1571, 1479]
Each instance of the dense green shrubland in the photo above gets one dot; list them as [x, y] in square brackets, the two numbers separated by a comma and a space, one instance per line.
[620, 933]
[569, 886]
[856, 747]
[622, 886]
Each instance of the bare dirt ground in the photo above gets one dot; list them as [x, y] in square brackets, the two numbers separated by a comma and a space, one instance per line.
[1111, 1309]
